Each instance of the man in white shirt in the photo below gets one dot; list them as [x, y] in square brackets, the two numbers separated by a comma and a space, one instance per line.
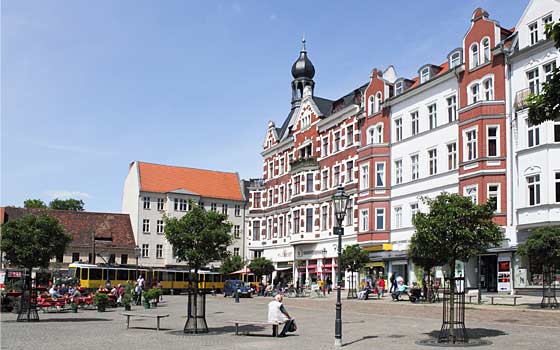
[277, 313]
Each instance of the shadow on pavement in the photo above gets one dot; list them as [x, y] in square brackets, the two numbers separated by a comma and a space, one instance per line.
[474, 333]
[361, 339]
[228, 329]
[43, 320]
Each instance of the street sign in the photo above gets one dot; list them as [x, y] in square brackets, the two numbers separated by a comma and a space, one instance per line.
[338, 231]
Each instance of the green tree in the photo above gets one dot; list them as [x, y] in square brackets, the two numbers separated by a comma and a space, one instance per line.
[67, 204]
[231, 263]
[546, 105]
[34, 203]
[454, 228]
[261, 267]
[353, 258]
[198, 238]
[543, 246]
[32, 241]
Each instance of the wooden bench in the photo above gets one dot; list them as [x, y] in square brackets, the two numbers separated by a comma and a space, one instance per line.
[130, 314]
[514, 297]
[257, 323]
[472, 294]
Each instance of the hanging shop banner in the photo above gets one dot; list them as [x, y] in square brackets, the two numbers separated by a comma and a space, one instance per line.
[504, 273]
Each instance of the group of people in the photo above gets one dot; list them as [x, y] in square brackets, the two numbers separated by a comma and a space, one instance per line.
[64, 291]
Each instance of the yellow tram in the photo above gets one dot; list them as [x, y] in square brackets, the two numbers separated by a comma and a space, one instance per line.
[94, 276]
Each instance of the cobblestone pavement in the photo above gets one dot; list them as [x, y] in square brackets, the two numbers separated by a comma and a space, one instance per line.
[367, 324]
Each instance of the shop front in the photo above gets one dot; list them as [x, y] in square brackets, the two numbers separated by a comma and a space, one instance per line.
[529, 276]
[314, 262]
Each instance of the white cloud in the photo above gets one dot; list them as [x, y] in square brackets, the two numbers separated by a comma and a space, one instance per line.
[67, 194]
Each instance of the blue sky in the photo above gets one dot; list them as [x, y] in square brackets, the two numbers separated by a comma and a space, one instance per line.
[90, 86]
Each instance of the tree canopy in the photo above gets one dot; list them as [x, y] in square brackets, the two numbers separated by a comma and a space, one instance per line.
[34, 203]
[231, 263]
[32, 241]
[543, 245]
[546, 105]
[453, 229]
[261, 267]
[199, 237]
[67, 204]
[354, 258]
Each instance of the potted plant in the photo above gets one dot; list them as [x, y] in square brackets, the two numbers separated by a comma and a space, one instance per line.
[147, 295]
[156, 292]
[100, 299]
[74, 307]
[127, 297]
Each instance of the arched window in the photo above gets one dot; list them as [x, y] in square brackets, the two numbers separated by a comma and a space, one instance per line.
[455, 60]
[485, 50]
[474, 56]
[371, 106]
[378, 102]
[474, 90]
[488, 87]
[370, 135]
[379, 133]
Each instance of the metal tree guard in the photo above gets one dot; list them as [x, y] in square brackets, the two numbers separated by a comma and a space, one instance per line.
[453, 328]
[28, 300]
[549, 288]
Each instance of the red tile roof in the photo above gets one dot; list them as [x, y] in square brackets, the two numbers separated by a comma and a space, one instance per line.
[115, 228]
[207, 183]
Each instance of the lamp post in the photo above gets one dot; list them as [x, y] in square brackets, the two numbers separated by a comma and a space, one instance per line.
[137, 255]
[340, 200]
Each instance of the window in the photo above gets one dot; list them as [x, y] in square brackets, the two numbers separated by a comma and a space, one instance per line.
[201, 204]
[380, 219]
[398, 217]
[256, 230]
[146, 225]
[398, 88]
[325, 148]
[296, 221]
[337, 141]
[414, 119]
[398, 129]
[451, 156]
[349, 213]
[350, 171]
[414, 166]
[474, 56]
[305, 121]
[488, 87]
[379, 134]
[371, 105]
[75, 257]
[364, 220]
[309, 182]
[455, 60]
[452, 108]
[159, 251]
[533, 33]
[471, 145]
[213, 206]
[474, 93]
[281, 198]
[124, 261]
[546, 20]
[349, 135]
[379, 174]
[485, 50]
[533, 80]
[534, 188]
[472, 193]
[309, 220]
[424, 75]
[159, 226]
[146, 202]
[533, 134]
[336, 176]
[432, 161]
[557, 186]
[281, 226]
[224, 209]
[236, 231]
[370, 135]
[324, 217]
[549, 70]
[297, 184]
[256, 199]
[270, 170]
[325, 180]
[281, 166]
[492, 146]
[238, 209]
[494, 194]
[236, 251]
[398, 171]
[160, 202]
[269, 229]
[180, 204]
[378, 102]
[364, 177]
[556, 131]
[145, 250]
[432, 116]
[413, 209]
[270, 198]
[305, 152]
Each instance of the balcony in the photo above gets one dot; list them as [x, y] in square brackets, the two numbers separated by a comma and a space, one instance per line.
[304, 164]
[521, 99]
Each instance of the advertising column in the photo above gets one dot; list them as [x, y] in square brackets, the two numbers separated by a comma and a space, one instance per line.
[504, 274]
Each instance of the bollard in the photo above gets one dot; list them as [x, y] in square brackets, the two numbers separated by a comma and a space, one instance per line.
[237, 295]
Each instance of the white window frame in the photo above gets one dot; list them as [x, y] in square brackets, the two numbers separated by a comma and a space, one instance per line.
[534, 131]
[146, 226]
[364, 176]
[146, 203]
[548, 70]
[160, 204]
[145, 250]
[474, 92]
[471, 144]
[159, 227]
[452, 108]
[324, 218]
[398, 171]
[371, 105]
[471, 191]
[451, 156]
[398, 216]
[325, 184]
[364, 220]
[485, 50]
[495, 138]
[398, 87]
[424, 75]
[557, 186]
[455, 60]
[336, 142]
[237, 210]
[414, 166]
[398, 129]
[379, 174]
[432, 161]
[536, 182]
[336, 176]
[349, 135]
[414, 122]
[488, 89]
[533, 33]
[413, 210]
[497, 195]
[379, 212]
[379, 133]
[281, 165]
[474, 60]
[370, 135]
[159, 251]
[325, 146]
[533, 81]
[349, 171]
[378, 102]
[432, 115]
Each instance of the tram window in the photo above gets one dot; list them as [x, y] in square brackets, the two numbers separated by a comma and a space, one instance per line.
[95, 274]
[171, 276]
[180, 276]
[159, 276]
[84, 275]
[75, 272]
[133, 275]
[122, 275]
[111, 274]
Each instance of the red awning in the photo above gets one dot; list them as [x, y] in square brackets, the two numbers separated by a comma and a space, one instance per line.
[312, 266]
[330, 265]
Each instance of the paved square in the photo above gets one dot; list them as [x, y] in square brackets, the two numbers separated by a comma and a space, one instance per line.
[372, 324]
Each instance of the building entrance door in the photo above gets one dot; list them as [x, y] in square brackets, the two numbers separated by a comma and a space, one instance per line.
[489, 273]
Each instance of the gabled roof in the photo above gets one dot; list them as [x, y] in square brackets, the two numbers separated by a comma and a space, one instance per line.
[207, 183]
[114, 229]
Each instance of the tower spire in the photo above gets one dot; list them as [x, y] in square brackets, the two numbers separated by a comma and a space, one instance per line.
[303, 43]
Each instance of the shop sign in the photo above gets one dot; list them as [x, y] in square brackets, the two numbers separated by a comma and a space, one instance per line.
[284, 254]
[504, 273]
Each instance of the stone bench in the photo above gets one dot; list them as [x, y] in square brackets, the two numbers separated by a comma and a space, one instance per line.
[256, 323]
[514, 297]
[131, 314]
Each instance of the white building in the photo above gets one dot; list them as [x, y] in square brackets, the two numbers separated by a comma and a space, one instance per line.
[152, 191]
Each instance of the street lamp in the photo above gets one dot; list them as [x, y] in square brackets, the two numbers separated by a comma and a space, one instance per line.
[137, 251]
[340, 200]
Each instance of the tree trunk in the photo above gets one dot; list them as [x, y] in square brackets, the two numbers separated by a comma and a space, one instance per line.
[195, 311]
[452, 301]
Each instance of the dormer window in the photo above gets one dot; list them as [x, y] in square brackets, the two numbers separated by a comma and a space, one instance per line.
[455, 60]
[398, 88]
[424, 75]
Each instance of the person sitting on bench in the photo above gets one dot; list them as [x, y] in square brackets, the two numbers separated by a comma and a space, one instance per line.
[277, 313]
[401, 289]
[364, 294]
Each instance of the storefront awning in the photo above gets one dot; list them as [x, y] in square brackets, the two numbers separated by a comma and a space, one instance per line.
[378, 247]
[283, 268]
[376, 264]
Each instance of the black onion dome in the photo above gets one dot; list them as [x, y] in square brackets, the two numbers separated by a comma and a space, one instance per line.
[303, 68]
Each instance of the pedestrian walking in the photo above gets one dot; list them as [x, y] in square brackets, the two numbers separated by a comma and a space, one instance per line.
[381, 286]
[393, 283]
